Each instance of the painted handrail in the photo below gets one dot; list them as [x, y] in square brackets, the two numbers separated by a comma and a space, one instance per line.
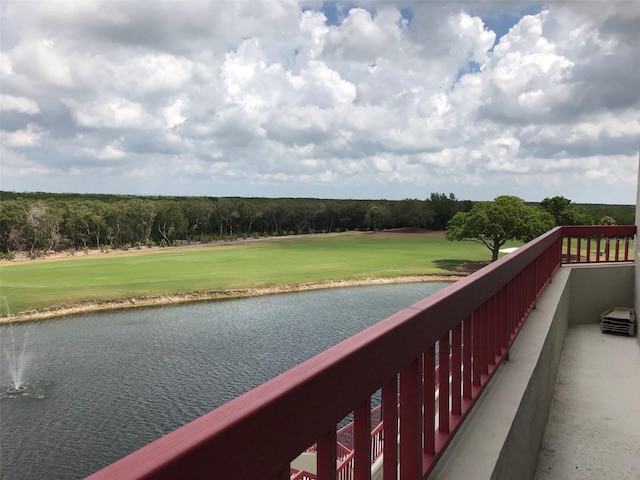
[474, 321]
[596, 244]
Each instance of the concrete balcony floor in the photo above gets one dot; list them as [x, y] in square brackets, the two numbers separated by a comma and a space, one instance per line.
[593, 430]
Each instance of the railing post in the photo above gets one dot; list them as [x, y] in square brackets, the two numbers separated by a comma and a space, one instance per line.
[390, 429]
[520, 299]
[504, 323]
[410, 422]
[428, 395]
[626, 249]
[491, 331]
[484, 334]
[362, 440]
[443, 391]
[531, 287]
[326, 456]
[477, 347]
[456, 370]
[466, 358]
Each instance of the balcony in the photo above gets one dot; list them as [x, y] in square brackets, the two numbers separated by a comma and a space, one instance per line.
[482, 355]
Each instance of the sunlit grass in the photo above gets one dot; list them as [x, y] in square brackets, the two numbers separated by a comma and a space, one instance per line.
[284, 261]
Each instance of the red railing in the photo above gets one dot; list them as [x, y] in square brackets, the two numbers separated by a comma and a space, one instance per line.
[345, 448]
[590, 244]
[473, 322]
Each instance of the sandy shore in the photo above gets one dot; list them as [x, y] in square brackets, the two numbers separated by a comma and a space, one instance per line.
[170, 299]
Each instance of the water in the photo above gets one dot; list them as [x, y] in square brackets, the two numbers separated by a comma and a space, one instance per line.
[14, 356]
[100, 386]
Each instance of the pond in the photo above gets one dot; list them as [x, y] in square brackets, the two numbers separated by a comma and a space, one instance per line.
[100, 386]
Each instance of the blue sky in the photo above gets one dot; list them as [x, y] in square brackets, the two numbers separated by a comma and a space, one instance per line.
[500, 21]
[282, 98]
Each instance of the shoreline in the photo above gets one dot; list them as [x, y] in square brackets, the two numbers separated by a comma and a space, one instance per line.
[212, 295]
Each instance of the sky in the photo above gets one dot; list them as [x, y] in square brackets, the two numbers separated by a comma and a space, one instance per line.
[284, 98]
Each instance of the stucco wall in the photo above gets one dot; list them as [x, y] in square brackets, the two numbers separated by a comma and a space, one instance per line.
[595, 288]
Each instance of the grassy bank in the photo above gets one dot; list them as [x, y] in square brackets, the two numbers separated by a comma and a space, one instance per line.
[284, 261]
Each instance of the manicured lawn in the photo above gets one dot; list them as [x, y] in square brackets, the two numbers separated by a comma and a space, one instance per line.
[294, 260]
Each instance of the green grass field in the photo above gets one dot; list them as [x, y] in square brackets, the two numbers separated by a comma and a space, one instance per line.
[285, 261]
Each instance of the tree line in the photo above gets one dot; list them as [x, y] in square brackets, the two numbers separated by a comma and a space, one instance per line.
[41, 222]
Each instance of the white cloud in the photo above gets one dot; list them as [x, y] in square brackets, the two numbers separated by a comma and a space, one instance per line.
[173, 113]
[525, 75]
[18, 104]
[28, 137]
[474, 40]
[108, 113]
[6, 68]
[363, 37]
[153, 72]
[376, 99]
[43, 61]
[108, 152]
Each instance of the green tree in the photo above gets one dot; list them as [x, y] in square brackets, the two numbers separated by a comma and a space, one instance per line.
[78, 223]
[130, 221]
[198, 212]
[443, 207]
[13, 217]
[278, 213]
[494, 223]
[140, 215]
[413, 213]
[43, 222]
[564, 212]
[227, 214]
[374, 217]
[170, 222]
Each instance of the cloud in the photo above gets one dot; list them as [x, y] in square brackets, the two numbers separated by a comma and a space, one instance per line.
[107, 112]
[281, 98]
[27, 137]
[18, 104]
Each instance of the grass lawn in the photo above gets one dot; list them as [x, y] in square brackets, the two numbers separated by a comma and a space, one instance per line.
[284, 261]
